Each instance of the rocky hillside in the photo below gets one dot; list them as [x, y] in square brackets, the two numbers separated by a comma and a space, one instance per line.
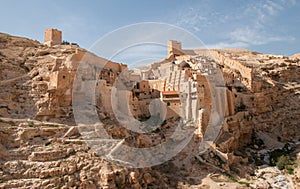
[25, 70]
[38, 154]
[274, 104]
[15, 97]
[38, 151]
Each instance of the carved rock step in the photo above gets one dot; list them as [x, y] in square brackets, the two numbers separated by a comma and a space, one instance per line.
[50, 155]
[22, 183]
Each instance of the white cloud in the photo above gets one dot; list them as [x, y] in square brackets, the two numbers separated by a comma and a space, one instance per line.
[256, 32]
[193, 19]
[271, 7]
[223, 45]
[241, 27]
[255, 36]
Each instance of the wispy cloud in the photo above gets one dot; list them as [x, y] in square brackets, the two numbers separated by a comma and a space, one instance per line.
[256, 33]
[255, 36]
[248, 25]
[193, 19]
[222, 45]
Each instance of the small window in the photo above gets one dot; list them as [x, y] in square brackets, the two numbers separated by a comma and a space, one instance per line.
[168, 103]
[64, 77]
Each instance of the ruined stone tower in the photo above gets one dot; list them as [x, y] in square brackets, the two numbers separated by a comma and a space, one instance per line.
[52, 37]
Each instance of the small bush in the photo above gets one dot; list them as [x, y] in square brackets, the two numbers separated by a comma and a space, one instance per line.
[285, 162]
[282, 162]
[290, 169]
[65, 43]
[245, 183]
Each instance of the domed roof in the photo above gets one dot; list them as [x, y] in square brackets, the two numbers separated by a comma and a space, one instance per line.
[184, 64]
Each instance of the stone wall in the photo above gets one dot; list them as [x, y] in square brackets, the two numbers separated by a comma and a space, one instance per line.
[245, 72]
[92, 67]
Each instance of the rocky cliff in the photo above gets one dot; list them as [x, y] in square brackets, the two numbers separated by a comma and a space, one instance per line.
[40, 147]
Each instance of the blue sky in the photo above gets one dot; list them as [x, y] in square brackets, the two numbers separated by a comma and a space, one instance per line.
[271, 26]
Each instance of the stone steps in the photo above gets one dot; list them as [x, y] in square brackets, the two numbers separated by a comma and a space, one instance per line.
[21, 183]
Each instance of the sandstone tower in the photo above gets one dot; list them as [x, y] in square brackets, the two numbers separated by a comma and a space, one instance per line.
[52, 37]
[174, 48]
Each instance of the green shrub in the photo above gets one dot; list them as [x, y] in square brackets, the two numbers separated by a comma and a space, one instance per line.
[285, 162]
[65, 43]
[290, 169]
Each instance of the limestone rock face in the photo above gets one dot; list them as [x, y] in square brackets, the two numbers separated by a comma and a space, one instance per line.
[38, 155]
[25, 75]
